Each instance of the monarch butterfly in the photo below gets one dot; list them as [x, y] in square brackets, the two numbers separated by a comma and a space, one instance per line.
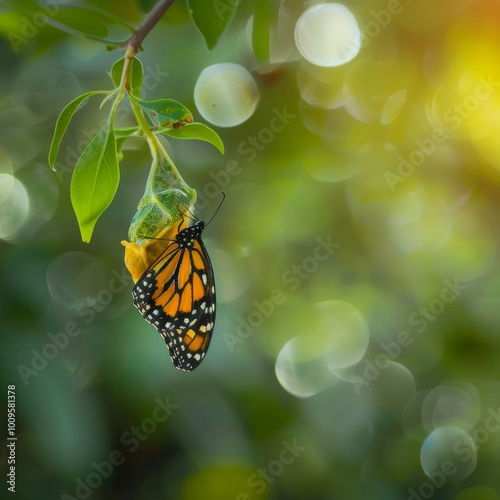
[176, 294]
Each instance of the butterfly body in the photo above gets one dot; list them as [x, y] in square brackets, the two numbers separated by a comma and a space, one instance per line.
[176, 295]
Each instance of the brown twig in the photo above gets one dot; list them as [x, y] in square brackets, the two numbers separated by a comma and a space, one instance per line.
[135, 41]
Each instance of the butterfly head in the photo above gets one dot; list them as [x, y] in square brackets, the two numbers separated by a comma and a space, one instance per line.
[186, 237]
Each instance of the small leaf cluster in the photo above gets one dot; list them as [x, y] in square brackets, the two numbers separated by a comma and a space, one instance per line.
[96, 174]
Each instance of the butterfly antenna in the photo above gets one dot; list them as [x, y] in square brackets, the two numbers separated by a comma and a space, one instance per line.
[215, 213]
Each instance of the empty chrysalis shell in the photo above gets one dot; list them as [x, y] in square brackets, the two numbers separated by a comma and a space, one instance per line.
[166, 199]
[139, 257]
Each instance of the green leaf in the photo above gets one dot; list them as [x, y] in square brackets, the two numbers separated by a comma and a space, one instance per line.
[166, 113]
[95, 180]
[196, 131]
[63, 122]
[135, 75]
[116, 72]
[212, 18]
[83, 20]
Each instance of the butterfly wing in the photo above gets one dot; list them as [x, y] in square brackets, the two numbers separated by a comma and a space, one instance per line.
[143, 290]
[177, 296]
[193, 324]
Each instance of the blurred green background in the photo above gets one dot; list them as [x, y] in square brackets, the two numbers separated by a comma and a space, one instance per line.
[356, 351]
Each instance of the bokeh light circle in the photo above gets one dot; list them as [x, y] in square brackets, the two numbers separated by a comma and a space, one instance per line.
[394, 386]
[226, 95]
[450, 453]
[299, 371]
[453, 403]
[321, 87]
[345, 333]
[15, 208]
[6, 186]
[328, 35]
[75, 278]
